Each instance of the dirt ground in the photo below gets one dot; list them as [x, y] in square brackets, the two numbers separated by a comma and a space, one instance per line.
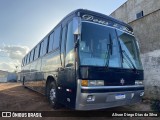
[14, 97]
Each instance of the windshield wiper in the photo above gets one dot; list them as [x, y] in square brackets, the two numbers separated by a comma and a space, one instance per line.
[129, 59]
[108, 52]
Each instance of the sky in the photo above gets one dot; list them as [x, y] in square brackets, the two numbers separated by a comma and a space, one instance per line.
[23, 23]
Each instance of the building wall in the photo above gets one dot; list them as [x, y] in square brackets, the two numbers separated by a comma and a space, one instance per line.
[3, 76]
[127, 12]
[12, 77]
[3, 79]
[7, 76]
[151, 65]
[147, 31]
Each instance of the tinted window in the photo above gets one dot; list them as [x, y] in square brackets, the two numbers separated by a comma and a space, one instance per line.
[63, 39]
[56, 38]
[139, 15]
[45, 44]
[23, 62]
[69, 61]
[27, 59]
[50, 46]
[41, 48]
[33, 54]
[70, 38]
[130, 50]
[99, 46]
[36, 52]
[31, 57]
[63, 44]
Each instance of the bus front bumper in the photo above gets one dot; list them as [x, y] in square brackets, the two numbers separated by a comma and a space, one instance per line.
[90, 100]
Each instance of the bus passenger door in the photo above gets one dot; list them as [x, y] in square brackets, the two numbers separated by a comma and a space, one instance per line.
[66, 80]
[61, 71]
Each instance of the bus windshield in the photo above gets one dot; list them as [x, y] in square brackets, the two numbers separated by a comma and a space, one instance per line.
[130, 51]
[94, 47]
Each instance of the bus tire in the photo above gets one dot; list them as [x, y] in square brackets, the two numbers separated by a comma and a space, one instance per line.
[52, 94]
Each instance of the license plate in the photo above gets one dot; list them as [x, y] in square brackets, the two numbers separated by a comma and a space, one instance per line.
[120, 96]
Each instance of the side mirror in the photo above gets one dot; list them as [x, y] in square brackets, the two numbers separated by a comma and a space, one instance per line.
[76, 30]
[76, 25]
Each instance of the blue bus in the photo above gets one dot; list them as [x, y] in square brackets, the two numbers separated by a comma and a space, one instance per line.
[88, 61]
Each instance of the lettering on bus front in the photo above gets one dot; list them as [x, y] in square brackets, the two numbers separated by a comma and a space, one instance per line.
[91, 18]
[94, 19]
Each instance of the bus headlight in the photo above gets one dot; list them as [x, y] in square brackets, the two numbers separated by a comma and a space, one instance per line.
[92, 82]
[138, 82]
[100, 82]
[96, 83]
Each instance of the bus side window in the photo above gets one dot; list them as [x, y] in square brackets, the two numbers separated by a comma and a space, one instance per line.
[31, 57]
[63, 45]
[22, 62]
[69, 61]
[56, 38]
[33, 54]
[27, 59]
[45, 44]
[50, 46]
[41, 48]
[36, 52]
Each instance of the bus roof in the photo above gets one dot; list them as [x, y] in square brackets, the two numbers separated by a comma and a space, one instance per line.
[75, 13]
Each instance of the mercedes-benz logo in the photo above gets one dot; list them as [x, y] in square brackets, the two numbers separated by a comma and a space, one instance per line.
[122, 81]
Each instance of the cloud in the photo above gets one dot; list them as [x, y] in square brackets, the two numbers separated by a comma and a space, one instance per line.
[7, 67]
[15, 52]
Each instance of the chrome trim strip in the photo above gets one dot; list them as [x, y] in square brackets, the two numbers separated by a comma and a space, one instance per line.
[112, 87]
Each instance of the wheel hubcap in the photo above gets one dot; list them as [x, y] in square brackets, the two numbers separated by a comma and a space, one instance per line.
[52, 94]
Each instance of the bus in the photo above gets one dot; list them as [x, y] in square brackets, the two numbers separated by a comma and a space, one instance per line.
[88, 61]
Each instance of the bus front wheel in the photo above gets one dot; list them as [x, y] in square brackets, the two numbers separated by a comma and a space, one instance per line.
[52, 94]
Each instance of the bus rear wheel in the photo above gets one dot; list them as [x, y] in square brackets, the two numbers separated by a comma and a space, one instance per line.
[52, 94]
